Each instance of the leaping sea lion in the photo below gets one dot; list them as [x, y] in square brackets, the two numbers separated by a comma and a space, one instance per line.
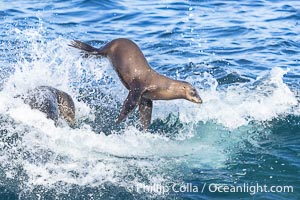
[144, 83]
[55, 103]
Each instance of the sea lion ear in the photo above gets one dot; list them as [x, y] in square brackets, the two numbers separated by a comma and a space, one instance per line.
[131, 101]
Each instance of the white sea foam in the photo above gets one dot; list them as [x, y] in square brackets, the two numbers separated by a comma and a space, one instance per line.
[266, 98]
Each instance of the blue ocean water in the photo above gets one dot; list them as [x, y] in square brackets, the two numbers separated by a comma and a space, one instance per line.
[242, 56]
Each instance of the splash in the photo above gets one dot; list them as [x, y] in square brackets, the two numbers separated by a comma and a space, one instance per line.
[262, 99]
[46, 155]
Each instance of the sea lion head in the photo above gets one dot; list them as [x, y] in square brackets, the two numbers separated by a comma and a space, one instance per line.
[66, 107]
[191, 93]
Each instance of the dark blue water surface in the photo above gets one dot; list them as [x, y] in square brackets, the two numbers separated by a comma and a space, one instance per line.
[242, 56]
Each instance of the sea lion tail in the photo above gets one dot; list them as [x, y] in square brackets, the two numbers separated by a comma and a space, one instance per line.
[85, 47]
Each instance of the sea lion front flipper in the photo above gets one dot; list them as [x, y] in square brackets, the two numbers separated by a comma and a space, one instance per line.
[145, 112]
[130, 103]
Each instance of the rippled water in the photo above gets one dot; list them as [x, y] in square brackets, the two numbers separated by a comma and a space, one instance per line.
[242, 56]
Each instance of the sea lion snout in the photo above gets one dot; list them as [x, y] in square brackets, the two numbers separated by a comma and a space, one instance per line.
[194, 97]
[191, 93]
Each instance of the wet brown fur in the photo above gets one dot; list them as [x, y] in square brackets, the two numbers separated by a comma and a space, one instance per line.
[51, 101]
[144, 83]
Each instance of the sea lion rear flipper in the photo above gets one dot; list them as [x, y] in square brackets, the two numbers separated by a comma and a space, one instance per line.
[145, 112]
[85, 47]
[130, 103]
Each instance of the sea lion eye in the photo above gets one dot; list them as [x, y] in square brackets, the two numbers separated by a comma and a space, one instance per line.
[193, 92]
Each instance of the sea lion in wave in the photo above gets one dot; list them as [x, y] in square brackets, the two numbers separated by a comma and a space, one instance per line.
[144, 83]
[55, 103]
